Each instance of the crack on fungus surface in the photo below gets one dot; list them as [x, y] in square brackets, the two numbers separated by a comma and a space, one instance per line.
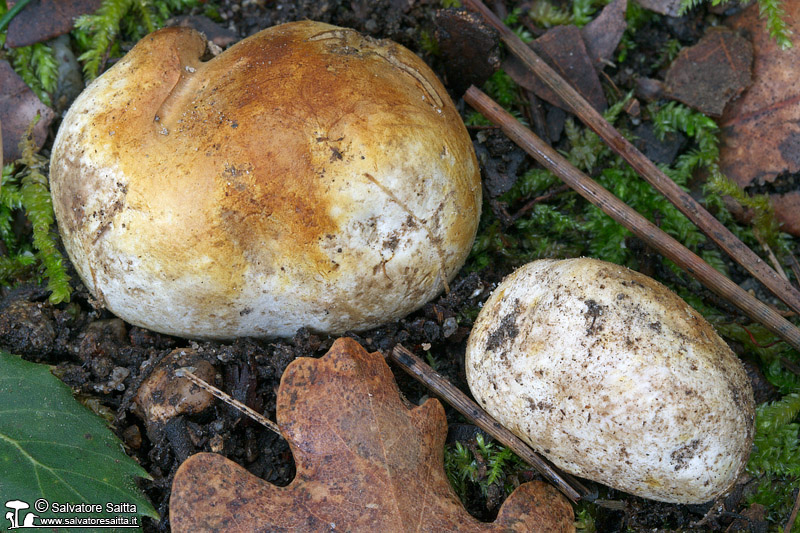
[347, 40]
[434, 241]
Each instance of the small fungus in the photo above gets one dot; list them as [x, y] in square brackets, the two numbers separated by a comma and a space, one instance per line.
[613, 378]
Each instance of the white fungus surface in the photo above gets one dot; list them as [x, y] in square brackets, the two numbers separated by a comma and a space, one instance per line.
[613, 378]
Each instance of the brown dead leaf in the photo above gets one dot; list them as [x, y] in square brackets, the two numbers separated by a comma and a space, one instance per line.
[760, 148]
[752, 519]
[708, 75]
[42, 20]
[665, 7]
[562, 48]
[602, 35]
[18, 107]
[365, 462]
[469, 47]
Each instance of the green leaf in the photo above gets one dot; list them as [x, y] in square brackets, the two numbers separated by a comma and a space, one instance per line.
[52, 447]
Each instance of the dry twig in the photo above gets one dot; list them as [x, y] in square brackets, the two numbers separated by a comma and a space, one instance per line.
[771, 256]
[186, 372]
[412, 364]
[687, 205]
[795, 267]
[793, 516]
[543, 198]
[625, 215]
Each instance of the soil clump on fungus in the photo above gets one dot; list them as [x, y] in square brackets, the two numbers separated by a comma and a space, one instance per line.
[527, 215]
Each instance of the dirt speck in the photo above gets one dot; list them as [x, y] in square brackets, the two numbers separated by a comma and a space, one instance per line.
[684, 454]
[506, 330]
[593, 312]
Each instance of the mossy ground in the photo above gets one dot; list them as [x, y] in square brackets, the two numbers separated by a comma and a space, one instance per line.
[536, 218]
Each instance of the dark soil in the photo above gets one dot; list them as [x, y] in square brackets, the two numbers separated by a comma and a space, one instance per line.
[100, 356]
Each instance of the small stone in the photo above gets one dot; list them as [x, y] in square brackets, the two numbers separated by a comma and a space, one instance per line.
[132, 437]
[217, 444]
[449, 327]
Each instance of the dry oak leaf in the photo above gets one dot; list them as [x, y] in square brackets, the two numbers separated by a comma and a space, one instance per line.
[469, 47]
[708, 75]
[19, 105]
[602, 35]
[760, 144]
[563, 48]
[42, 20]
[365, 462]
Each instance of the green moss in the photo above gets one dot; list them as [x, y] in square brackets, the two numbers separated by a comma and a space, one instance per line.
[583, 11]
[776, 449]
[775, 458]
[769, 10]
[15, 267]
[668, 53]
[546, 15]
[584, 519]
[131, 19]
[19, 256]
[635, 17]
[428, 42]
[10, 200]
[778, 496]
[481, 466]
[25, 189]
[764, 223]
[579, 13]
[503, 90]
[39, 210]
[36, 65]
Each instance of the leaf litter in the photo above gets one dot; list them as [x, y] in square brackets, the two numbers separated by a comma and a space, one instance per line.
[365, 462]
[267, 455]
[760, 142]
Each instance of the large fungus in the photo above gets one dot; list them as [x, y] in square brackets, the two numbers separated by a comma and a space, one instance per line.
[306, 177]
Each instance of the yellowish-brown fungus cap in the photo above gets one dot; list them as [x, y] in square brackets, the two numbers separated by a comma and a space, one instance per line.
[308, 176]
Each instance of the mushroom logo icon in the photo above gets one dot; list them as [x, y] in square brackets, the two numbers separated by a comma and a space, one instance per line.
[13, 516]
